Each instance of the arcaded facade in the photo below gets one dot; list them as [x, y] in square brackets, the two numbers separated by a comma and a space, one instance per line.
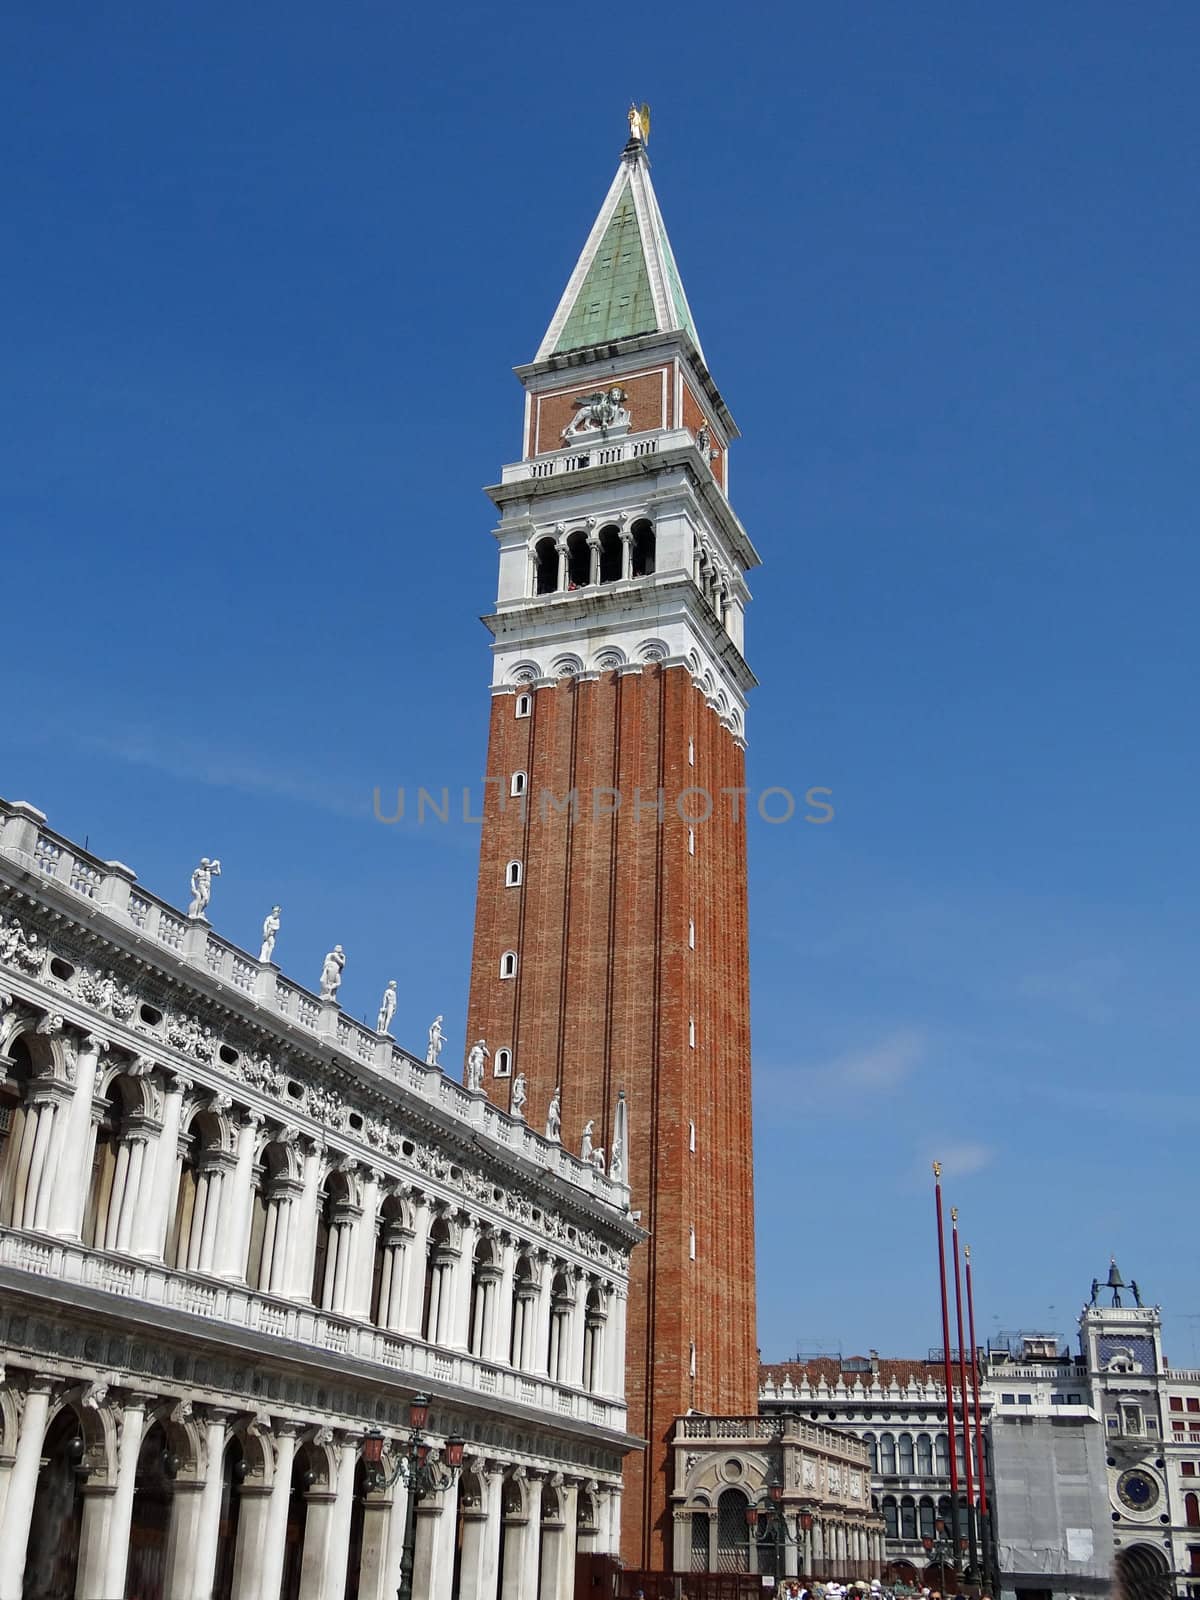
[239, 1232]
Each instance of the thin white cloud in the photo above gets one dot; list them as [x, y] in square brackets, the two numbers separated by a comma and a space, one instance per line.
[1083, 988]
[192, 763]
[962, 1160]
[865, 1075]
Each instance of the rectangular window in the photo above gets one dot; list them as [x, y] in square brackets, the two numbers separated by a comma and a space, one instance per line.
[1008, 1399]
[1074, 1399]
[1058, 1399]
[1176, 1402]
[1193, 1403]
[1024, 1399]
[1188, 1468]
[1177, 1427]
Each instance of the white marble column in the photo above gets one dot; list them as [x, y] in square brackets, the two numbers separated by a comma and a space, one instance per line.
[393, 1561]
[270, 1565]
[498, 1332]
[161, 1177]
[362, 1263]
[575, 1373]
[433, 1552]
[54, 1106]
[614, 1340]
[522, 1538]
[208, 1525]
[481, 1538]
[338, 1548]
[238, 1204]
[302, 1233]
[539, 1349]
[22, 1488]
[75, 1161]
[141, 1138]
[464, 1272]
[414, 1297]
[133, 1419]
[396, 1244]
[376, 1541]
[557, 1554]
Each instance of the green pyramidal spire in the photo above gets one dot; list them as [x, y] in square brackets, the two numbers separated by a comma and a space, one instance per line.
[626, 281]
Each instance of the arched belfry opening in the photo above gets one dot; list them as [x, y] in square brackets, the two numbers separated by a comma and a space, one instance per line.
[643, 549]
[545, 566]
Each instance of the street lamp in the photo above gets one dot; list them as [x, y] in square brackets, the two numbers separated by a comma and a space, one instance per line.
[421, 1469]
[767, 1524]
[937, 1549]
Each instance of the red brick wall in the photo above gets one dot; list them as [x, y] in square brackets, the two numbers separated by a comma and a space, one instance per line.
[605, 986]
[644, 402]
[695, 418]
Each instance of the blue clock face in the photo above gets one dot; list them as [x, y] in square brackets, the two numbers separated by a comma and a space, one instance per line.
[1137, 1490]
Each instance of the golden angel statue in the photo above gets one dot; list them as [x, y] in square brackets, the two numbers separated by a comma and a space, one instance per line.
[639, 123]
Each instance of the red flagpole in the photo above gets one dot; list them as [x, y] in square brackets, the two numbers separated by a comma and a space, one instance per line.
[962, 1385]
[982, 1478]
[950, 1428]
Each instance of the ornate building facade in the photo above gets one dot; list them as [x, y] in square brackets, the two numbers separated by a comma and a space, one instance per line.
[773, 1495]
[1150, 1415]
[611, 955]
[897, 1408]
[239, 1233]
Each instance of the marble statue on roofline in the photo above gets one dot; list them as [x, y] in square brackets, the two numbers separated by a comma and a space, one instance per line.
[436, 1040]
[585, 1145]
[331, 972]
[516, 1104]
[202, 878]
[554, 1118]
[476, 1058]
[270, 929]
[387, 1008]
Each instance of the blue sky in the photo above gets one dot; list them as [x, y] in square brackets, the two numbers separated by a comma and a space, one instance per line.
[268, 269]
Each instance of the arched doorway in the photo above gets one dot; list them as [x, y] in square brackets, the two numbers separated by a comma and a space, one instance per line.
[150, 1525]
[233, 1475]
[358, 1518]
[1143, 1573]
[304, 1477]
[52, 1555]
[733, 1533]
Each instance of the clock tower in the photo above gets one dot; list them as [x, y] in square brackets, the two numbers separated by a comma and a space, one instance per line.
[610, 954]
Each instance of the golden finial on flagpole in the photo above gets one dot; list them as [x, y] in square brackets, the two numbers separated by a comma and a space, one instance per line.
[937, 1169]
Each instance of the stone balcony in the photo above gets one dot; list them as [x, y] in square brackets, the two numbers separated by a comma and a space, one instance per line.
[234, 1314]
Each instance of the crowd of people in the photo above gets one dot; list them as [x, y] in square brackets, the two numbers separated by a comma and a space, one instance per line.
[798, 1589]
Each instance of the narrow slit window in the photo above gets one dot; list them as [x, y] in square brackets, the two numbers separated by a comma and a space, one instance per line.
[524, 705]
[512, 875]
[517, 783]
[502, 1066]
[508, 964]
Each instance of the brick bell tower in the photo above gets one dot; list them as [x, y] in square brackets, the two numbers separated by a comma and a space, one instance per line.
[610, 945]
